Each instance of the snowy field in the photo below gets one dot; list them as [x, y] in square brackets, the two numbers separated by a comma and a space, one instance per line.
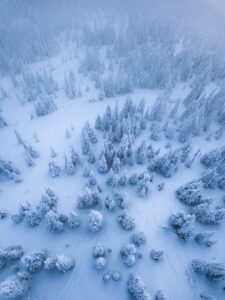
[112, 164]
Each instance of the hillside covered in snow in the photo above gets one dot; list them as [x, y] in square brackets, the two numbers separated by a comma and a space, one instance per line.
[112, 150]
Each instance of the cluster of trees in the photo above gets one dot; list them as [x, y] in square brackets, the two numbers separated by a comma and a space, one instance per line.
[18, 285]
[71, 162]
[46, 211]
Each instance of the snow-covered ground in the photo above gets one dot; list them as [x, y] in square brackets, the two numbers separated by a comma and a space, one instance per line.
[63, 129]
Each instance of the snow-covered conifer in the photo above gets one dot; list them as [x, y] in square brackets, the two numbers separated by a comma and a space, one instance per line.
[95, 221]
[69, 166]
[53, 222]
[141, 154]
[44, 107]
[110, 203]
[100, 263]
[102, 164]
[73, 221]
[54, 169]
[183, 225]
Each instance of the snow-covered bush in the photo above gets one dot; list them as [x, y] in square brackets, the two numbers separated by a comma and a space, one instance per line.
[106, 277]
[138, 239]
[204, 296]
[137, 288]
[191, 193]
[133, 180]
[116, 275]
[53, 222]
[44, 107]
[156, 254]
[33, 262]
[126, 221]
[160, 295]
[98, 251]
[54, 169]
[95, 221]
[183, 225]
[110, 203]
[207, 213]
[212, 270]
[73, 221]
[100, 263]
[210, 178]
[129, 255]
[3, 214]
[16, 286]
[64, 263]
[204, 238]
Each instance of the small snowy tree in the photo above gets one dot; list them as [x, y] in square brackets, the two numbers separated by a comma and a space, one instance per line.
[95, 221]
[143, 188]
[205, 238]
[110, 203]
[156, 254]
